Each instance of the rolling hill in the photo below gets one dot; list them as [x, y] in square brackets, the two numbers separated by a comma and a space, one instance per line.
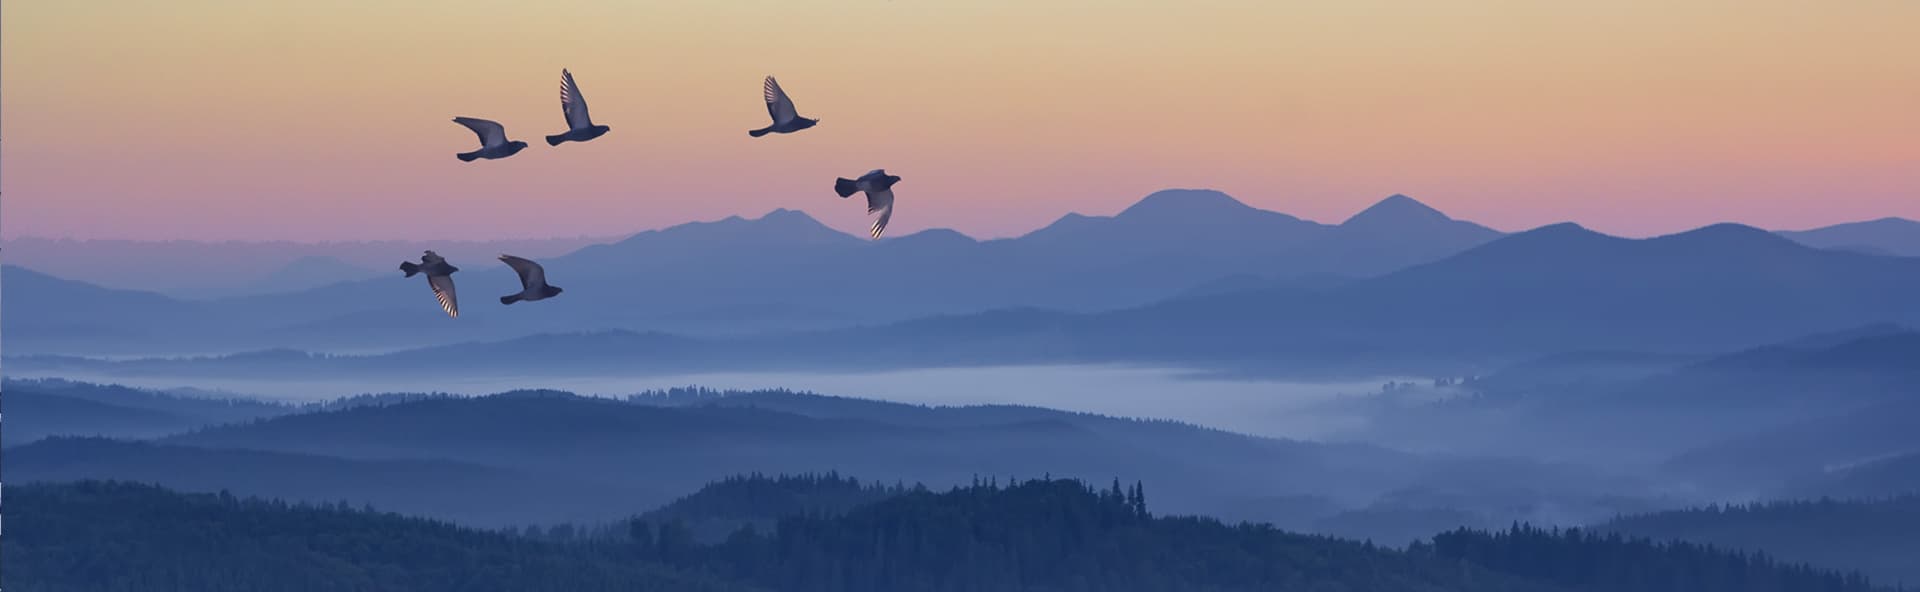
[682, 447]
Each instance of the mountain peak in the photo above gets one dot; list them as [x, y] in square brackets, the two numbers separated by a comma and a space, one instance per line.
[1397, 209]
[935, 236]
[781, 227]
[1171, 201]
[786, 216]
[1726, 232]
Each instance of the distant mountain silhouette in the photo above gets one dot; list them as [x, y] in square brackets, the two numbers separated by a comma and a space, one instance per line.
[785, 271]
[1889, 236]
[1175, 222]
[1556, 288]
[217, 269]
[1393, 234]
[43, 312]
[307, 273]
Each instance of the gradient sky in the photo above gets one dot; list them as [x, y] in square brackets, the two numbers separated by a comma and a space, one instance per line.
[236, 119]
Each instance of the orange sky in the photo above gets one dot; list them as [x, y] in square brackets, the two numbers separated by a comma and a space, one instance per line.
[221, 119]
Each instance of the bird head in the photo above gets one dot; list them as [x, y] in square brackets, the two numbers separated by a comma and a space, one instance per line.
[517, 145]
[804, 123]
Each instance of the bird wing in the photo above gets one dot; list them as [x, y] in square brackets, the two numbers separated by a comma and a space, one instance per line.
[531, 274]
[572, 104]
[491, 134]
[880, 201]
[443, 291]
[779, 106]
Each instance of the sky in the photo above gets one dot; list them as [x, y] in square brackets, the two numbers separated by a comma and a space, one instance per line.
[235, 119]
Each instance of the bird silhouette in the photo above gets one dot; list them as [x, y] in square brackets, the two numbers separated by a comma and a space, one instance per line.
[439, 278]
[878, 186]
[493, 140]
[533, 281]
[580, 127]
[785, 119]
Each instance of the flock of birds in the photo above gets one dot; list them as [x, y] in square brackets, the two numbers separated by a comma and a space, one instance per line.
[876, 184]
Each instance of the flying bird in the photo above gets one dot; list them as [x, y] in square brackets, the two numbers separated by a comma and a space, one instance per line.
[878, 186]
[580, 127]
[533, 281]
[493, 140]
[439, 277]
[785, 119]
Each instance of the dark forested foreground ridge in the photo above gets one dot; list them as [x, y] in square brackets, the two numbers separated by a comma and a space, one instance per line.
[107, 536]
[758, 501]
[1038, 535]
[1581, 560]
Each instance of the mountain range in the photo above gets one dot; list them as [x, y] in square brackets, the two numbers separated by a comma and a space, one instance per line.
[782, 271]
[202, 270]
[1181, 275]
[1560, 288]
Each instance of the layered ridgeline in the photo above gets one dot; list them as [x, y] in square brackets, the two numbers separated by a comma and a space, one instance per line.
[780, 271]
[1776, 420]
[1551, 290]
[549, 457]
[204, 270]
[41, 408]
[1037, 535]
[1885, 236]
[602, 458]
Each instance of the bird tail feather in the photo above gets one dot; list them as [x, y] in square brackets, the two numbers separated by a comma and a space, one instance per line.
[844, 187]
[510, 299]
[760, 132]
[467, 156]
[409, 267]
[556, 139]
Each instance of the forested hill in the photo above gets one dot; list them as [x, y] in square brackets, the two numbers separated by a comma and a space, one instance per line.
[1051, 535]
[1589, 562]
[725, 506]
[1064, 536]
[118, 537]
[1875, 537]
